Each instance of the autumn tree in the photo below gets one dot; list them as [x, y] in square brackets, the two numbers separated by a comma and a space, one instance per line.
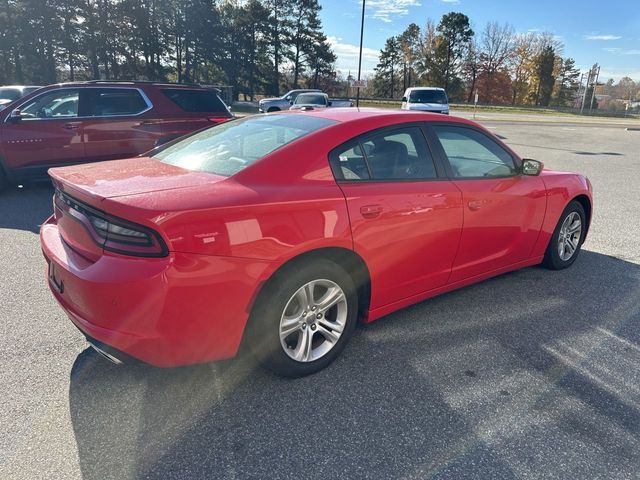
[409, 41]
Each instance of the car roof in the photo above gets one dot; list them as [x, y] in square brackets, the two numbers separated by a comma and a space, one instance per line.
[425, 88]
[132, 83]
[349, 114]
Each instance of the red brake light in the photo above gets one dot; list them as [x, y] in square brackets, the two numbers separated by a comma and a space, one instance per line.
[113, 233]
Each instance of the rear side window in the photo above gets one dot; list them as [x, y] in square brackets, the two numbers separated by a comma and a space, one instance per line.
[106, 102]
[205, 101]
[232, 146]
[400, 154]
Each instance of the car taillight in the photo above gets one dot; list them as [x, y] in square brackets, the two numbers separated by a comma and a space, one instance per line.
[113, 233]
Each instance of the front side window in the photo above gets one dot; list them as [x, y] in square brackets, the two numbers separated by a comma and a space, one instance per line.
[107, 102]
[472, 154]
[400, 154]
[57, 104]
[232, 146]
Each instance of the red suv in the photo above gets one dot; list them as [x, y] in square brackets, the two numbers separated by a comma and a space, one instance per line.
[98, 120]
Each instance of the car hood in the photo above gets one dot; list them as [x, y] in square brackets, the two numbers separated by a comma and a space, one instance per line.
[133, 176]
[270, 99]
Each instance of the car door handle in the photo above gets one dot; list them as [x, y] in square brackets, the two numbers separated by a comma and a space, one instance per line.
[370, 211]
[71, 126]
[475, 205]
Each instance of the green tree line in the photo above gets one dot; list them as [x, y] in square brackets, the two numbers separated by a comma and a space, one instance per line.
[256, 46]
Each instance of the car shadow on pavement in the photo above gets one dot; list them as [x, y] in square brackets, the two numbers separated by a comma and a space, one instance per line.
[533, 374]
[27, 207]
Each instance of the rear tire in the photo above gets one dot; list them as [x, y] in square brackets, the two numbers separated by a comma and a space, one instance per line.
[568, 236]
[303, 318]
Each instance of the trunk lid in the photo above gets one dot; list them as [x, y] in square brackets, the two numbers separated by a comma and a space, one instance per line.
[94, 182]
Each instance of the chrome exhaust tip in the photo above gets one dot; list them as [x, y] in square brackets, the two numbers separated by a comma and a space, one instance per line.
[106, 355]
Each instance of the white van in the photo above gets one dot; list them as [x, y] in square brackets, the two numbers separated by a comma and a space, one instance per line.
[426, 99]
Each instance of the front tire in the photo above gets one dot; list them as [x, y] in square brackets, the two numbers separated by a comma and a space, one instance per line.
[304, 318]
[568, 236]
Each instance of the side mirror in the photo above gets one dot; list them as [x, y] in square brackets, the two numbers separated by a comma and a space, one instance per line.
[329, 104]
[15, 115]
[404, 99]
[531, 167]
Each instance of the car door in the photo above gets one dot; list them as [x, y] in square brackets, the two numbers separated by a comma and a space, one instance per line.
[503, 209]
[406, 217]
[120, 123]
[48, 131]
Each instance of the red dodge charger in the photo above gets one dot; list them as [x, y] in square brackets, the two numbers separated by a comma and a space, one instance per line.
[287, 229]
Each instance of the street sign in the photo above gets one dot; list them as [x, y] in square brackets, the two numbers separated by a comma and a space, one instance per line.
[476, 98]
[359, 84]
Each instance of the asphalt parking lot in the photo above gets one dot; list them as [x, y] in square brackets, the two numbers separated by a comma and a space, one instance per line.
[534, 374]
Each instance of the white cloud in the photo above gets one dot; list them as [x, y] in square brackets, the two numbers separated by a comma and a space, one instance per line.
[451, 2]
[621, 51]
[387, 10]
[347, 56]
[618, 73]
[602, 37]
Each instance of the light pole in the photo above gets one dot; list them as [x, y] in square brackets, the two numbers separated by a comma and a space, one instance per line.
[360, 56]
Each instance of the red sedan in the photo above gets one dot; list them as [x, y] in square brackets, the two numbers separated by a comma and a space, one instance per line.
[287, 229]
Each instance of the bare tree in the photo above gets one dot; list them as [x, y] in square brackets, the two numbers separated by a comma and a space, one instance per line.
[496, 45]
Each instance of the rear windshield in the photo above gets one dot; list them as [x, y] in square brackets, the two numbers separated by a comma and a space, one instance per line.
[428, 96]
[232, 146]
[10, 93]
[205, 101]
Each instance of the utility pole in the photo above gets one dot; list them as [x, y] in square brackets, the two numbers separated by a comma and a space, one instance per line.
[584, 94]
[360, 56]
[595, 84]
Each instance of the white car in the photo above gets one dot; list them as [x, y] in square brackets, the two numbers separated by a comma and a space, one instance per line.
[426, 99]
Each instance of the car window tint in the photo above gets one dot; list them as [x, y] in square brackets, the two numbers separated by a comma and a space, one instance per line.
[311, 98]
[427, 96]
[105, 102]
[10, 94]
[350, 163]
[196, 100]
[400, 154]
[232, 146]
[53, 104]
[472, 154]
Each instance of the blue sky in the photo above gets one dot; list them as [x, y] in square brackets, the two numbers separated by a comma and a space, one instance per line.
[604, 32]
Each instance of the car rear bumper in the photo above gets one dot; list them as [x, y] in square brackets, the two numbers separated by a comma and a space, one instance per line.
[177, 310]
